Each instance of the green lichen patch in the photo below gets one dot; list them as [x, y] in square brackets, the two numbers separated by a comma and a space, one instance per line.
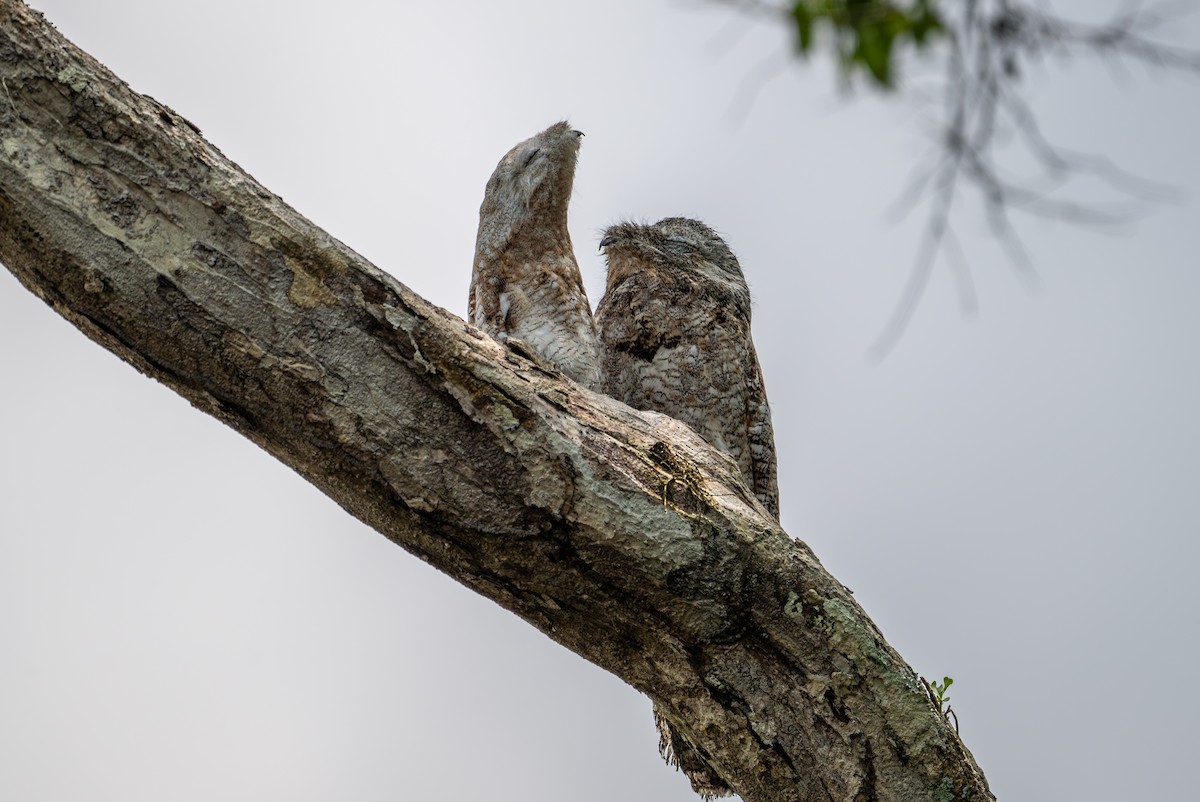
[73, 77]
[505, 416]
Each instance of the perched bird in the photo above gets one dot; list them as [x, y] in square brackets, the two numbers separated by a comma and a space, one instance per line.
[674, 326]
[526, 290]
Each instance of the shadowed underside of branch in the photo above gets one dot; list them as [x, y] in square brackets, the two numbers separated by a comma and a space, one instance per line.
[619, 534]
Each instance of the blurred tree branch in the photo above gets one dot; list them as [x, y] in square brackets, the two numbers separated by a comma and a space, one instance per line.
[985, 47]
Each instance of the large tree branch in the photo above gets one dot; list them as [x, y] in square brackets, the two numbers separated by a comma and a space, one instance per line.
[618, 534]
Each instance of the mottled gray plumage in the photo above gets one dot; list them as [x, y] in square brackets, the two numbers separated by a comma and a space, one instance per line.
[526, 289]
[674, 328]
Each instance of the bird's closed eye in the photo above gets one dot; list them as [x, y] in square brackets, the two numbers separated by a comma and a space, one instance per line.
[678, 245]
[529, 157]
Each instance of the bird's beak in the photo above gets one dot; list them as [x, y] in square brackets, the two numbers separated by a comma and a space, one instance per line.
[609, 240]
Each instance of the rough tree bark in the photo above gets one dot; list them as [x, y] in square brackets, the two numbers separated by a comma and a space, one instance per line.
[620, 535]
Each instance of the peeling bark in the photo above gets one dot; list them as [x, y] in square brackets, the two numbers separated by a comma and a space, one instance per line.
[619, 534]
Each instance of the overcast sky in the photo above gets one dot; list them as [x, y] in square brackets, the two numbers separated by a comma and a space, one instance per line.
[1014, 498]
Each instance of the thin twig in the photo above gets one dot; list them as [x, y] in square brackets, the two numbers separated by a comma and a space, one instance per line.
[989, 45]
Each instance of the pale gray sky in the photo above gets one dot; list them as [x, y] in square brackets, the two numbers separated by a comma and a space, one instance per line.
[1013, 498]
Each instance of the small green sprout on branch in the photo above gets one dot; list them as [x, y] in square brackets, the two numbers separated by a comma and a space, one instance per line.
[938, 690]
[939, 694]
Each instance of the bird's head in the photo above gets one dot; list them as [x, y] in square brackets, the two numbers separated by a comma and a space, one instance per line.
[537, 173]
[673, 243]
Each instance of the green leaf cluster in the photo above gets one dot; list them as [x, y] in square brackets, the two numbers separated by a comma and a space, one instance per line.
[868, 33]
[940, 695]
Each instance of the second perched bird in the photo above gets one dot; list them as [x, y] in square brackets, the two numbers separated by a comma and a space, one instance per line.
[674, 329]
[674, 326]
[526, 289]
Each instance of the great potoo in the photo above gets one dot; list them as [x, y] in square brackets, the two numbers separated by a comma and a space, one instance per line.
[526, 290]
[674, 326]
[674, 329]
